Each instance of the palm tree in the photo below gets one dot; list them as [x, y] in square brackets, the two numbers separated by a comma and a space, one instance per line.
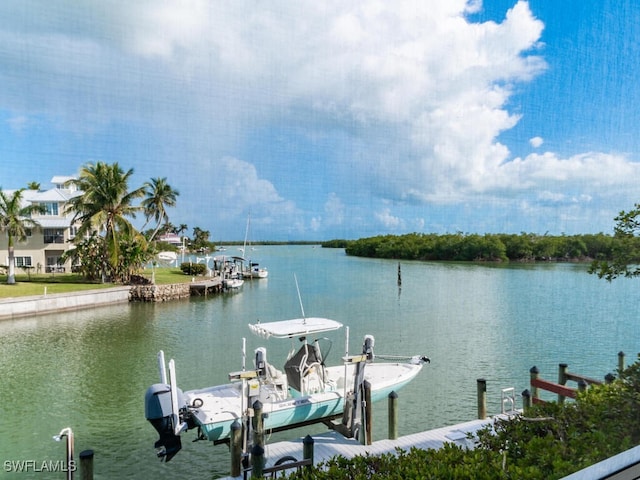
[15, 221]
[104, 207]
[160, 195]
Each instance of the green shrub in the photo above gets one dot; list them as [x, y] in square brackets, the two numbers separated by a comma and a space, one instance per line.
[193, 268]
[550, 442]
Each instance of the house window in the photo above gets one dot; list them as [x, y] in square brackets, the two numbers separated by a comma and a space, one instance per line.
[23, 261]
[51, 208]
[73, 231]
[53, 235]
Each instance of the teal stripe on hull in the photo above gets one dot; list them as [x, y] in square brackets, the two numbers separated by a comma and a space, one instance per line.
[303, 412]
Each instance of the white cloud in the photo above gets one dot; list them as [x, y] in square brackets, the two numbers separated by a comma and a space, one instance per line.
[536, 142]
[407, 98]
[389, 221]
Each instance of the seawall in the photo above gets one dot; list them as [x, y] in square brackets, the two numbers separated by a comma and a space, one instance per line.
[17, 307]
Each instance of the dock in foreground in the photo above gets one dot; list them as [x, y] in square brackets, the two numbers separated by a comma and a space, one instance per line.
[332, 443]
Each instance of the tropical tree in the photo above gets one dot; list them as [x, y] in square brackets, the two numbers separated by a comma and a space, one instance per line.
[159, 196]
[626, 248]
[104, 206]
[15, 221]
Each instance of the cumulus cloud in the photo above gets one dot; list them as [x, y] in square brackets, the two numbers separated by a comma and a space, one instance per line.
[389, 221]
[407, 101]
[536, 142]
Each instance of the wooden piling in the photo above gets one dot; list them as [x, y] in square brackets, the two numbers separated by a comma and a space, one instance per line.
[482, 398]
[307, 449]
[620, 361]
[562, 379]
[257, 423]
[86, 465]
[257, 461]
[236, 449]
[526, 401]
[393, 415]
[534, 373]
[368, 417]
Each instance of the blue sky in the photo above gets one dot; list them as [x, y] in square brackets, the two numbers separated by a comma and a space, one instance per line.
[336, 119]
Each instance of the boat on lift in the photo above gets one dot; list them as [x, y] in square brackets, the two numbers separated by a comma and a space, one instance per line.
[304, 391]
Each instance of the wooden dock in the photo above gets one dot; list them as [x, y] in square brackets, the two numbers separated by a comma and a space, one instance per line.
[206, 287]
[331, 444]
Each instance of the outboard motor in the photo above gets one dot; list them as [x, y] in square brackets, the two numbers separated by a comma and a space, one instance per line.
[367, 347]
[158, 410]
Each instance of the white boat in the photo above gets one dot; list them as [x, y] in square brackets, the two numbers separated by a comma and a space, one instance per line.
[254, 270]
[251, 269]
[304, 391]
[167, 256]
[230, 271]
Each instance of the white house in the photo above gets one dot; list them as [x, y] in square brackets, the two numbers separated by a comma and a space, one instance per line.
[45, 245]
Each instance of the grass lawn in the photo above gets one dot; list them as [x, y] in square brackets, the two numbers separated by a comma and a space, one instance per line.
[35, 284]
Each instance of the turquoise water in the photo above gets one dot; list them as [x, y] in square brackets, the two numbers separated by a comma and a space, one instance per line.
[89, 370]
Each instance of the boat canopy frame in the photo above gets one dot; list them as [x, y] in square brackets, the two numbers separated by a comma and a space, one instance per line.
[296, 327]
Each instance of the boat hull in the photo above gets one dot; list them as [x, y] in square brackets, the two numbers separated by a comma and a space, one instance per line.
[220, 406]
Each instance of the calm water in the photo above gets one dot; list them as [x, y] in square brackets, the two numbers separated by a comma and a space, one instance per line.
[89, 370]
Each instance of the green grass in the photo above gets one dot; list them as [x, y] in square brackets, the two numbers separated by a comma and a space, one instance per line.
[35, 284]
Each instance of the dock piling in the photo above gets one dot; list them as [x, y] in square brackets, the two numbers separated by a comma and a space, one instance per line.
[482, 398]
[368, 417]
[236, 449]
[257, 461]
[307, 449]
[86, 465]
[393, 415]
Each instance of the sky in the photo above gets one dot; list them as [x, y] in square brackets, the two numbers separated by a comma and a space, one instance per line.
[334, 119]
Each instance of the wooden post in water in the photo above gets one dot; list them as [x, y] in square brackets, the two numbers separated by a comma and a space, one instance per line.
[86, 465]
[526, 401]
[258, 424]
[399, 275]
[236, 449]
[562, 379]
[368, 407]
[257, 461]
[534, 373]
[482, 398]
[620, 361]
[393, 415]
[307, 449]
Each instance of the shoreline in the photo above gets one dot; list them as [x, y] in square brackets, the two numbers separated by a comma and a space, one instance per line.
[33, 305]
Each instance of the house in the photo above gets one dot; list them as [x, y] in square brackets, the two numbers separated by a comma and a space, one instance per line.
[45, 245]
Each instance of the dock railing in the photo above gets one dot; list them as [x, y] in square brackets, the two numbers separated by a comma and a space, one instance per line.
[560, 387]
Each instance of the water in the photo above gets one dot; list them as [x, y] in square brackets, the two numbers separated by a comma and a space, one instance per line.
[89, 370]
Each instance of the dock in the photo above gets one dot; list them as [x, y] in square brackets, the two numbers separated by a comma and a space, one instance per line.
[331, 444]
[205, 287]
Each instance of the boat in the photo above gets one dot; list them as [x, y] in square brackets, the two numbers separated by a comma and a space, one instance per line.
[230, 271]
[167, 256]
[254, 270]
[304, 391]
[251, 269]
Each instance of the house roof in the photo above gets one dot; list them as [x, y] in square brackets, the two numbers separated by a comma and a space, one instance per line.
[55, 222]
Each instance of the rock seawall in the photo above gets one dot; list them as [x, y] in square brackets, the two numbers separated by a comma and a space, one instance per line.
[159, 293]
